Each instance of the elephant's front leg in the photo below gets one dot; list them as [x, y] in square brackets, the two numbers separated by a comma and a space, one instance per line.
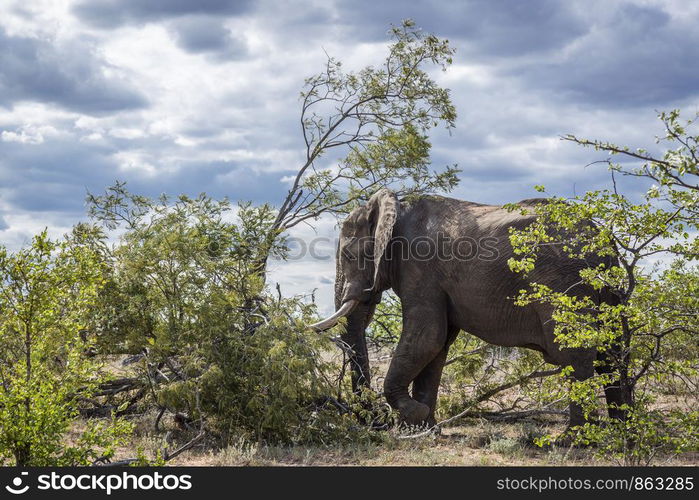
[423, 339]
[355, 338]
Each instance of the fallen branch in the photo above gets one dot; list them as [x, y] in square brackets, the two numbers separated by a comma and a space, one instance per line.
[109, 389]
[509, 416]
[132, 402]
[103, 463]
[157, 419]
[98, 411]
[112, 387]
[503, 387]
[169, 456]
[484, 397]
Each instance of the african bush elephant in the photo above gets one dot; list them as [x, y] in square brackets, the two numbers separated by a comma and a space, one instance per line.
[446, 260]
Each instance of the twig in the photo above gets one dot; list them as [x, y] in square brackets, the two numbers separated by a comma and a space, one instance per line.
[157, 419]
[483, 397]
[101, 462]
[465, 355]
[169, 456]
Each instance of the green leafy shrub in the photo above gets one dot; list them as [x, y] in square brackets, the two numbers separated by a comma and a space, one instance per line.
[219, 351]
[47, 293]
[647, 331]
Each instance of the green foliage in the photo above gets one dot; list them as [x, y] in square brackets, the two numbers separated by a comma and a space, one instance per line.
[47, 293]
[265, 384]
[378, 119]
[184, 289]
[142, 460]
[647, 324]
[384, 330]
[178, 264]
[642, 436]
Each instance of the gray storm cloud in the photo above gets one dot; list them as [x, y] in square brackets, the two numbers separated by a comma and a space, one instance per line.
[65, 74]
[180, 96]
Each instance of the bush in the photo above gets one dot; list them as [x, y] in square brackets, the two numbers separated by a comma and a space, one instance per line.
[47, 292]
[646, 326]
[219, 351]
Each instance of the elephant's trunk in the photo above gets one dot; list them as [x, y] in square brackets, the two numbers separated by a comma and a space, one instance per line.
[358, 315]
[354, 336]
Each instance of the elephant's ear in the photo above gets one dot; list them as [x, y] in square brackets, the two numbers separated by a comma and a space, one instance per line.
[383, 207]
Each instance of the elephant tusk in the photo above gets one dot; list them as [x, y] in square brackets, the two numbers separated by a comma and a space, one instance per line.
[331, 321]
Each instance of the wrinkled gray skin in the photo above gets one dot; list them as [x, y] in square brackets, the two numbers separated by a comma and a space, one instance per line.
[442, 296]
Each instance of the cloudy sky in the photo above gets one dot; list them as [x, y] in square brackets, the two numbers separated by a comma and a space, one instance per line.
[183, 96]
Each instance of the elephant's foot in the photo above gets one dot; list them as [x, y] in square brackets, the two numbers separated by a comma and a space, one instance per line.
[570, 438]
[618, 414]
[576, 416]
[413, 413]
[566, 439]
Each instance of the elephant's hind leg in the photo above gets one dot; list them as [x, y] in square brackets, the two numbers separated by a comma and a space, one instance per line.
[580, 359]
[426, 385]
[616, 397]
[424, 337]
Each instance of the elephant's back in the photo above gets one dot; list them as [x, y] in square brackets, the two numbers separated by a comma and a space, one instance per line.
[479, 286]
[439, 215]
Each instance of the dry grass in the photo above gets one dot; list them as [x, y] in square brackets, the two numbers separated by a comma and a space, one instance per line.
[471, 443]
[475, 444]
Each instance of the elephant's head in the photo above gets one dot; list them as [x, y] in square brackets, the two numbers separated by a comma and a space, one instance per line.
[360, 259]
[362, 276]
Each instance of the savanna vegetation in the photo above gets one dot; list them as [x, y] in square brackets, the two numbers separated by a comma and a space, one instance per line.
[149, 334]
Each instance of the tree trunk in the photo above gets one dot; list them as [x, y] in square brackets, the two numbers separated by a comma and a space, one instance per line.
[22, 455]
